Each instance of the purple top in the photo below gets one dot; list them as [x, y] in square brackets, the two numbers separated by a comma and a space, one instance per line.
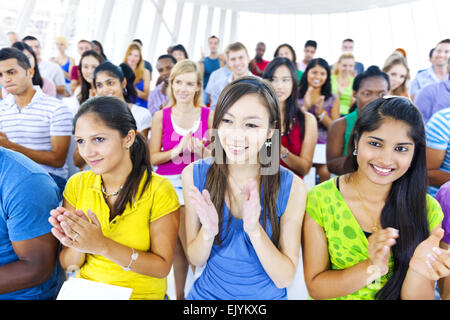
[170, 139]
[443, 197]
[322, 133]
[156, 99]
[433, 98]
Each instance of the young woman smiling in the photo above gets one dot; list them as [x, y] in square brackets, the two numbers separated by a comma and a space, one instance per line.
[375, 233]
[133, 213]
[133, 57]
[243, 212]
[298, 128]
[316, 97]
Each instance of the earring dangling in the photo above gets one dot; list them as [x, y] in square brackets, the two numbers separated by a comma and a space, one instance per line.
[355, 152]
[268, 143]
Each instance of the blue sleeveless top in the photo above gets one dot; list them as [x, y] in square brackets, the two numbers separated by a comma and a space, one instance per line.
[141, 102]
[233, 270]
[65, 67]
[210, 65]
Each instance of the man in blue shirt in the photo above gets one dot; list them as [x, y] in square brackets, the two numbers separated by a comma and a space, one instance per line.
[28, 250]
[434, 74]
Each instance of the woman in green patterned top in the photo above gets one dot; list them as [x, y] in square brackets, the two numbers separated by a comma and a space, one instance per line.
[374, 233]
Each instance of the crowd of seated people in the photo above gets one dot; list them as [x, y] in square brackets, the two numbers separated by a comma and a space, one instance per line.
[241, 171]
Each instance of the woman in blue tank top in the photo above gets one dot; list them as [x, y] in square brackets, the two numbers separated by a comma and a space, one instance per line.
[244, 213]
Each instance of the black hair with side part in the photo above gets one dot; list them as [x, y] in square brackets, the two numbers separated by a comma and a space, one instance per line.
[14, 53]
[115, 114]
[405, 208]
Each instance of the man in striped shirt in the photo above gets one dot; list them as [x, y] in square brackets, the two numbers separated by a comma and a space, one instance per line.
[32, 123]
[438, 150]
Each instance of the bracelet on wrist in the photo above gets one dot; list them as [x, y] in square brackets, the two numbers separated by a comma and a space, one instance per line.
[284, 156]
[321, 116]
[134, 256]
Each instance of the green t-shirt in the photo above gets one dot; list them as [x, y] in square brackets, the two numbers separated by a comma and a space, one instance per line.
[346, 97]
[350, 123]
[347, 243]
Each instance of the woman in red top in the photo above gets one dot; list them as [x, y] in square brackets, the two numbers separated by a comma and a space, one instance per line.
[298, 128]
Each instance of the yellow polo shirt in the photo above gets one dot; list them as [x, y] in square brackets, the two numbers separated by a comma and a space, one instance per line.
[131, 229]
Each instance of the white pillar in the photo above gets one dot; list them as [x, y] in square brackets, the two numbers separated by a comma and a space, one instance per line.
[69, 25]
[177, 22]
[208, 29]
[133, 22]
[159, 7]
[194, 27]
[24, 17]
[222, 20]
[234, 24]
[104, 20]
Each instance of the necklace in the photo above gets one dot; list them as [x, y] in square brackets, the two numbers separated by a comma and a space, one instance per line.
[112, 194]
[375, 224]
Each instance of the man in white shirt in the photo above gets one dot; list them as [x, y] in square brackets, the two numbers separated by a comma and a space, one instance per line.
[31, 122]
[48, 69]
[237, 61]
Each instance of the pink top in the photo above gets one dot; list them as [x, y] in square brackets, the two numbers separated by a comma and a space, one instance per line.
[170, 139]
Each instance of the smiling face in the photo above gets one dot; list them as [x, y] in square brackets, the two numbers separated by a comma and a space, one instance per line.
[134, 58]
[282, 82]
[178, 55]
[346, 66]
[285, 52]
[397, 76]
[184, 87]
[107, 85]
[243, 130]
[102, 147]
[385, 154]
[238, 62]
[317, 76]
[88, 66]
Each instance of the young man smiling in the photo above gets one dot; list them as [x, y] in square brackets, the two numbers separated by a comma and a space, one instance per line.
[237, 61]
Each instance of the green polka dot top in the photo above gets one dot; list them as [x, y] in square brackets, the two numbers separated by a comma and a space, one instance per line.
[347, 243]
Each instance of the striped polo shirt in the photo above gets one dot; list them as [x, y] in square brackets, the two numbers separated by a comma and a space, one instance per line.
[438, 137]
[34, 125]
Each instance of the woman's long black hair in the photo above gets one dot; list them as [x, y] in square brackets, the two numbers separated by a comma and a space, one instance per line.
[291, 111]
[37, 79]
[405, 207]
[326, 88]
[115, 114]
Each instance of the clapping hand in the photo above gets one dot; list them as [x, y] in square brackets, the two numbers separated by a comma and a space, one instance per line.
[380, 243]
[206, 211]
[251, 207]
[429, 260]
[74, 230]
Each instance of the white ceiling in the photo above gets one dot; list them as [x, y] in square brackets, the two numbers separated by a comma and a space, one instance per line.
[298, 6]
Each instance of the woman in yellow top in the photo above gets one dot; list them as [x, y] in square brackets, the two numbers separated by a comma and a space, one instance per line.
[130, 236]
[341, 78]
[375, 233]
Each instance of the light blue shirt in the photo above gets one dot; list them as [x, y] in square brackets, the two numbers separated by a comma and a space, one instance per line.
[216, 88]
[423, 79]
[438, 137]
